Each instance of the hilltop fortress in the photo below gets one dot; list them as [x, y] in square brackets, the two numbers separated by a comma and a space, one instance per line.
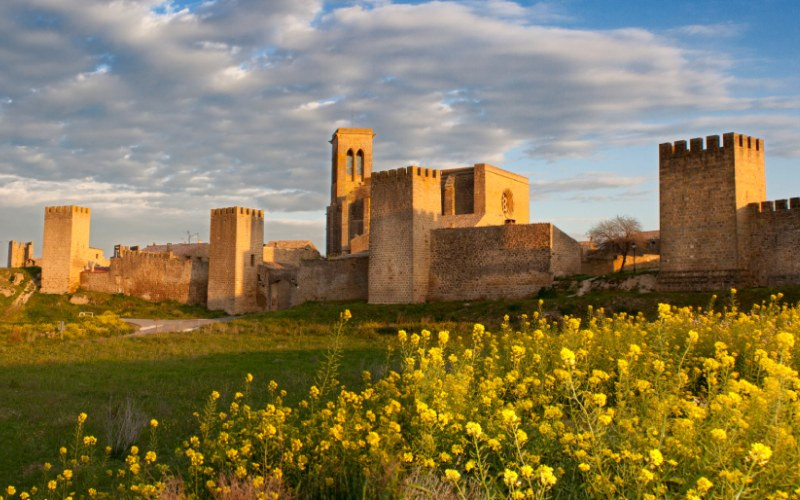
[416, 234]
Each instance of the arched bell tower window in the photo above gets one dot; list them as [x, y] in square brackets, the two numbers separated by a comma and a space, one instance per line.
[349, 165]
[360, 165]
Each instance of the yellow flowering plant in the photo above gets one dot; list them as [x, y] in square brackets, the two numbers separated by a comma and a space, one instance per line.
[695, 404]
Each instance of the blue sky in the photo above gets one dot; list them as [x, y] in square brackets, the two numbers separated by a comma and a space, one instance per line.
[152, 113]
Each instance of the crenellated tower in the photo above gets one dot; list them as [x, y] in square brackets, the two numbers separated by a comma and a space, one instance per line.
[704, 193]
[351, 169]
[407, 205]
[236, 249]
[65, 247]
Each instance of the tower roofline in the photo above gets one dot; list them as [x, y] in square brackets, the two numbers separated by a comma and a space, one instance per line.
[352, 131]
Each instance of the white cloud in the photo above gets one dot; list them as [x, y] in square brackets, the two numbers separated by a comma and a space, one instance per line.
[188, 109]
[719, 30]
[588, 181]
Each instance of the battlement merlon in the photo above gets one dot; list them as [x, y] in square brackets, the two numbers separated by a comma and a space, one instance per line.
[66, 209]
[712, 144]
[400, 174]
[259, 214]
[776, 206]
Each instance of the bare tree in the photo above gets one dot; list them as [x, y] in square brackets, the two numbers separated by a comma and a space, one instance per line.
[616, 235]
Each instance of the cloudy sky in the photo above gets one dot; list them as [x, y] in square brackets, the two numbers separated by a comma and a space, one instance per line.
[153, 112]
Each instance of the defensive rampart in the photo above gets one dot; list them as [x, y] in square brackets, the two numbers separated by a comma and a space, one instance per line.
[152, 276]
[775, 242]
[341, 278]
[496, 262]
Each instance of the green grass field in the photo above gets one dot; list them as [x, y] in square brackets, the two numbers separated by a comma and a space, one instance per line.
[44, 384]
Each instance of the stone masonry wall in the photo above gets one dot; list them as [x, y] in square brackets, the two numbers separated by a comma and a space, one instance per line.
[405, 207]
[152, 276]
[493, 262]
[703, 197]
[237, 240]
[775, 242]
[65, 247]
[341, 278]
[566, 253]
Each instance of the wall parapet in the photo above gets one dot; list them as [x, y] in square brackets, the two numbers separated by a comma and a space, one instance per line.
[775, 206]
[712, 145]
[259, 214]
[66, 209]
[143, 256]
[404, 173]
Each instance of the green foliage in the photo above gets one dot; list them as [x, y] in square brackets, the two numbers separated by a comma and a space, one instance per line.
[693, 403]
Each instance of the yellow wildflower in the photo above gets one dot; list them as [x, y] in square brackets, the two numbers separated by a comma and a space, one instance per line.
[656, 458]
[452, 475]
[510, 478]
[568, 357]
[759, 454]
[703, 485]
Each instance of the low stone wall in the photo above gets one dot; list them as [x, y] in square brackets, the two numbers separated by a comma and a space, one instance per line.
[152, 276]
[341, 278]
[605, 264]
[493, 262]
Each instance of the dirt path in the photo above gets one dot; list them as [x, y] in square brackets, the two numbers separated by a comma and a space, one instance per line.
[151, 326]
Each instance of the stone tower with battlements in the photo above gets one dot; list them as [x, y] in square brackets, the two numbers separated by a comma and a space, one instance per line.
[348, 213]
[65, 248]
[406, 207]
[236, 248]
[704, 193]
[20, 254]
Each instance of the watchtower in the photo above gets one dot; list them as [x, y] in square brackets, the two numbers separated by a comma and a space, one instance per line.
[406, 208]
[65, 247]
[20, 254]
[351, 168]
[237, 241]
[704, 193]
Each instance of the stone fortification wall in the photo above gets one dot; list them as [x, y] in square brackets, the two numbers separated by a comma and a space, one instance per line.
[704, 192]
[152, 276]
[20, 254]
[289, 252]
[341, 278]
[237, 241]
[405, 207]
[597, 265]
[276, 286]
[65, 247]
[180, 249]
[566, 253]
[775, 242]
[493, 262]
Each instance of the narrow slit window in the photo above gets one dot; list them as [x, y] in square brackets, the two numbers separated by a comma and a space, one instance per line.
[360, 165]
[349, 165]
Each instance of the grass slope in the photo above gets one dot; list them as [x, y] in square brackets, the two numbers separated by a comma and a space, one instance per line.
[46, 383]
